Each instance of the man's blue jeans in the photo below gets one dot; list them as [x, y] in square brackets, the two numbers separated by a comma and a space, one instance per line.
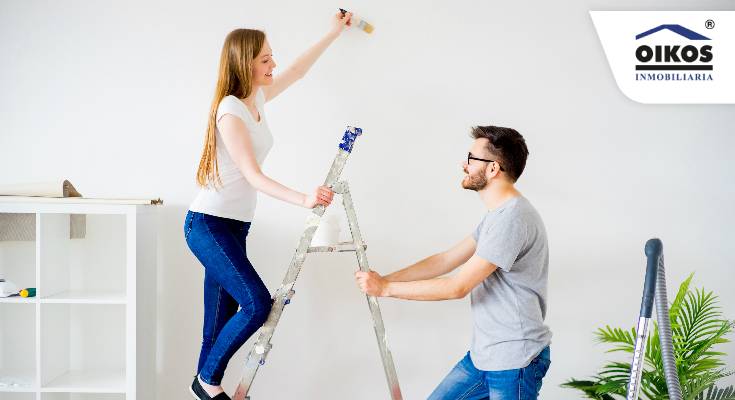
[465, 382]
[229, 280]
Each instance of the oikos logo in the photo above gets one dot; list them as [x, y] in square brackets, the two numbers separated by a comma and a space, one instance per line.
[687, 56]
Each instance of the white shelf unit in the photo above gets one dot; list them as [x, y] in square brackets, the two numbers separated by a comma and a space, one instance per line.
[90, 332]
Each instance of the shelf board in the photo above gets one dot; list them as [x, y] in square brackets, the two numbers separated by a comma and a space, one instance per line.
[18, 300]
[84, 297]
[25, 382]
[78, 200]
[87, 382]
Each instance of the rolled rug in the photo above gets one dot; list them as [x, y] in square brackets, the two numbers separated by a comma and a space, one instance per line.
[60, 188]
[14, 226]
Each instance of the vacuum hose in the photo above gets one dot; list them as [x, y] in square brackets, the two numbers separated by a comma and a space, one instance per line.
[654, 286]
[664, 333]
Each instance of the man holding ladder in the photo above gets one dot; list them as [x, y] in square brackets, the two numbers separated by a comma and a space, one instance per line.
[503, 265]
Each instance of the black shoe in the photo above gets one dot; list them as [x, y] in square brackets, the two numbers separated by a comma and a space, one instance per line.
[199, 393]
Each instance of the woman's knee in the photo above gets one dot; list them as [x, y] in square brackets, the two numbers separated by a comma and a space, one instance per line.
[262, 309]
[259, 306]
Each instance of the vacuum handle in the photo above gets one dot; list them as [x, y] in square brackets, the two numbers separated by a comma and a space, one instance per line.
[654, 250]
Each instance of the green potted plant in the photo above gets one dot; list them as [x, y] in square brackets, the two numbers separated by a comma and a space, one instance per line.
[697, 326]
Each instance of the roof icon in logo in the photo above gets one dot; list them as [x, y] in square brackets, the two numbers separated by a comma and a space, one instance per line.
[687, 33]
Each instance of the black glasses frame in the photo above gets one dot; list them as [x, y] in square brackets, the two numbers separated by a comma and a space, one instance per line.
[470, 157]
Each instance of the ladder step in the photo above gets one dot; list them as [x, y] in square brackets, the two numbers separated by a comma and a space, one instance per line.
[335, 248]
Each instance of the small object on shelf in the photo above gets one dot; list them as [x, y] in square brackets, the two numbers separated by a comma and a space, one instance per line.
[23, 226]
[7, 289]
[28, 292]
[57, 188]
[14, 382]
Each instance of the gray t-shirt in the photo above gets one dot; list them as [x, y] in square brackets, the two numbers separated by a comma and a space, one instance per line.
[509, 306]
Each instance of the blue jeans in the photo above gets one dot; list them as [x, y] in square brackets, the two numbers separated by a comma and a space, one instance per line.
[465, 382]
[229, 280]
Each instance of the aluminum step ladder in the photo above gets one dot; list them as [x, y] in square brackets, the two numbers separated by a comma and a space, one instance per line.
[257, 355]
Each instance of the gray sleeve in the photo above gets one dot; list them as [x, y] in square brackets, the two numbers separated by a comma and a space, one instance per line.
[501, 243]
[476, 233]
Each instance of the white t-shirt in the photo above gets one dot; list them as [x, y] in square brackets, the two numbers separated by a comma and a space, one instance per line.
[236, 198]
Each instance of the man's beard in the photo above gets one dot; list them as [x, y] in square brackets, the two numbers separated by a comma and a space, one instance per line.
[475, 182]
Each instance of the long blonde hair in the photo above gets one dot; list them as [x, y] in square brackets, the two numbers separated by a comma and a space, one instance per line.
[235, 78]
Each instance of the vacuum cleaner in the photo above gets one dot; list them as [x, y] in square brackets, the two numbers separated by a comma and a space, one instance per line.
[654, 287]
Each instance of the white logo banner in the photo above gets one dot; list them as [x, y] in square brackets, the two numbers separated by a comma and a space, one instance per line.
[675, 57]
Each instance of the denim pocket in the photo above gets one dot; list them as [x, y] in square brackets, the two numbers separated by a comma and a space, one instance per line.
[541, 365]
[188, 223]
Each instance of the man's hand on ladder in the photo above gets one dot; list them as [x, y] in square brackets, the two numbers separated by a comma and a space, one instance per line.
[371, 283]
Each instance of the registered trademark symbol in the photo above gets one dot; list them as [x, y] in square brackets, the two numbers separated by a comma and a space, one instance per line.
[710, 24]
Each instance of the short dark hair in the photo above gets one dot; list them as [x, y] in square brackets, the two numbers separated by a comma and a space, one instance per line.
[507, 145]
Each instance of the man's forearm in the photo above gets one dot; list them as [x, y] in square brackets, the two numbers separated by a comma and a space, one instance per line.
[427, 290]
[430, 267]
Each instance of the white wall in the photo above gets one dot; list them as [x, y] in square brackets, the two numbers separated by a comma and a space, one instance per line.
[114, 96]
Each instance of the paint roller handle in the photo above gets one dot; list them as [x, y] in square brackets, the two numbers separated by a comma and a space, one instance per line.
[653, 250]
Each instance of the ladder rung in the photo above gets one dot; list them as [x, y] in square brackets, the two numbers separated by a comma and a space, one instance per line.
[337, 248]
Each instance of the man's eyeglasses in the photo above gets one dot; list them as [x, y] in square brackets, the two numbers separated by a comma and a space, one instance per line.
[470, 157]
